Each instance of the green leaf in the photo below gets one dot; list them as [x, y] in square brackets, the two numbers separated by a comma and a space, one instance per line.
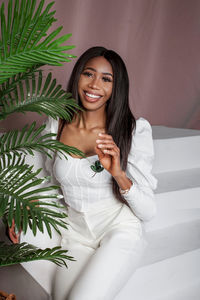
[27, 43]
[47, 98]
[30, 139]
[19, 253]
[21, 44]
[16, 201]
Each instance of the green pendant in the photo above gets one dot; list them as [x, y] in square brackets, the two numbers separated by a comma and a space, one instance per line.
[97, 167]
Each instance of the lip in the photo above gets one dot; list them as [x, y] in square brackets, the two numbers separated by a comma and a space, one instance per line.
[91, 99]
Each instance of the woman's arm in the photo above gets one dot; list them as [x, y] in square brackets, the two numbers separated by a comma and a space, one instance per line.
[140, 196]
[123, 181]
[137, 183]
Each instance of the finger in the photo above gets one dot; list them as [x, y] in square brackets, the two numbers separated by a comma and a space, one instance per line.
[105, 142]
[105, 136]
[13, 224]
[15, 239]
[106, 146]
[109, 146]
[111, 152]
[13, 236]
[99, 153]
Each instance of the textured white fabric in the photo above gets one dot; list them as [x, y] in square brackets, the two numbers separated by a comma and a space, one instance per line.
[83, 191]
[107, 244]
[104, 235]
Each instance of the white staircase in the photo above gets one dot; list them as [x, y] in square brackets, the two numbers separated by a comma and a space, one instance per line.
[170, 269]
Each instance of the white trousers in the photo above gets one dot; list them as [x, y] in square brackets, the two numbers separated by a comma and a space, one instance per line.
[107, 245]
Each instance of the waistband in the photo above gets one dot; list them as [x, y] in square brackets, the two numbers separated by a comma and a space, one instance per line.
[87, 208]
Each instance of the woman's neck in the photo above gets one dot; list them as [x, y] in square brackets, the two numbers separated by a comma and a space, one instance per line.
[89, 120]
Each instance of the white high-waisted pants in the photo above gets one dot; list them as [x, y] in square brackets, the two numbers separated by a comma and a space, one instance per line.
[107, 245]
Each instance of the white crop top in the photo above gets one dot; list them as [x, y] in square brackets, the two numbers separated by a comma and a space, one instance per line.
[85, 190]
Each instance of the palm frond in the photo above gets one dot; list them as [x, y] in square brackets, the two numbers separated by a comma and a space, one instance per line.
[25, 46]
[19, 253]
[11, 84]
[21, 192]
[23, 42]
[29, 139]
[26, 10]
[32, 94]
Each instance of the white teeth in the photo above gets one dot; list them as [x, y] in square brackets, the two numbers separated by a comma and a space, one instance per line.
[92, 96]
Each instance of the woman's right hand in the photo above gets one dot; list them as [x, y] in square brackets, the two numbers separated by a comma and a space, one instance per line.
[12, 235]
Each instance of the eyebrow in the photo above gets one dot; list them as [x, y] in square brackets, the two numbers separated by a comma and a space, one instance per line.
[92, 69]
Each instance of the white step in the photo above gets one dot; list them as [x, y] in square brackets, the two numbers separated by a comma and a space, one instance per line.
[175, 149]
[165, 132]
[178, 180]
[175, 207]
[171, 241]
[191, 292]
[177, 198]
[176, 154]
[165, 279]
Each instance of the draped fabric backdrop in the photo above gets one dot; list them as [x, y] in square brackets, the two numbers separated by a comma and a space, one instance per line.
[159, 41]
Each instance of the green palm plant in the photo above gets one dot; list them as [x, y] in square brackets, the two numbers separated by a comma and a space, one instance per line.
[26, 46]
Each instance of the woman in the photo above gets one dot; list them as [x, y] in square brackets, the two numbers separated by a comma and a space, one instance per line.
[106, 201]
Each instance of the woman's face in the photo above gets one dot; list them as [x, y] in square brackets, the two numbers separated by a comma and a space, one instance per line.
[95, 83]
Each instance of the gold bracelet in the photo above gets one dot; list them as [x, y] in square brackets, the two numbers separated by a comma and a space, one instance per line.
[125, 192]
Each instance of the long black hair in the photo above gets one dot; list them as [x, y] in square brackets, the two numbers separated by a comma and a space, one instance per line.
[120, 122]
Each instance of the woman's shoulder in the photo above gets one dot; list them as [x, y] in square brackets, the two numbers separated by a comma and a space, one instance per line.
[142, 139]
[142, 125]
[51, 125]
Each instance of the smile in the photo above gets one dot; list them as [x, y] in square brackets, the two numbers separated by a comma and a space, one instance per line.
[93, 96]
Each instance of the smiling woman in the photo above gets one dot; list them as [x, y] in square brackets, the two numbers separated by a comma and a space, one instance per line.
[96, 82]
[105, 211]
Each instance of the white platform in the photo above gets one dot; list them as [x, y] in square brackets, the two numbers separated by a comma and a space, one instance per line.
[167, 279]
[170, 269]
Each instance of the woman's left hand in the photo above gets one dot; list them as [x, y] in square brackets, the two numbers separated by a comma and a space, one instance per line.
[109, 154]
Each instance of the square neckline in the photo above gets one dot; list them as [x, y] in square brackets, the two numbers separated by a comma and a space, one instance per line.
[78, 158]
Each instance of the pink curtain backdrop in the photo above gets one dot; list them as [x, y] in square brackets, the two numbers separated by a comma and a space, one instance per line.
[160, 44]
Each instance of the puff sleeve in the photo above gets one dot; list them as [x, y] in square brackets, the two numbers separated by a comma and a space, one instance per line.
[140, 159]
[51, 127]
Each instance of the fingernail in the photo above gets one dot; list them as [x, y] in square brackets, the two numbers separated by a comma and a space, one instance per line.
[98, 141]
[100, 134]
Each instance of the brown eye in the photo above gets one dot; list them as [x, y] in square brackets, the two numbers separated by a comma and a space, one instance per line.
[88, 74]
[107, 79]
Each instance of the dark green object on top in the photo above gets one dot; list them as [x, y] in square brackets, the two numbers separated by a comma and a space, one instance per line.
[97, 167]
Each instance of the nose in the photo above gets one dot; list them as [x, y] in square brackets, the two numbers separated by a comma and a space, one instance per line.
[94, 83]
